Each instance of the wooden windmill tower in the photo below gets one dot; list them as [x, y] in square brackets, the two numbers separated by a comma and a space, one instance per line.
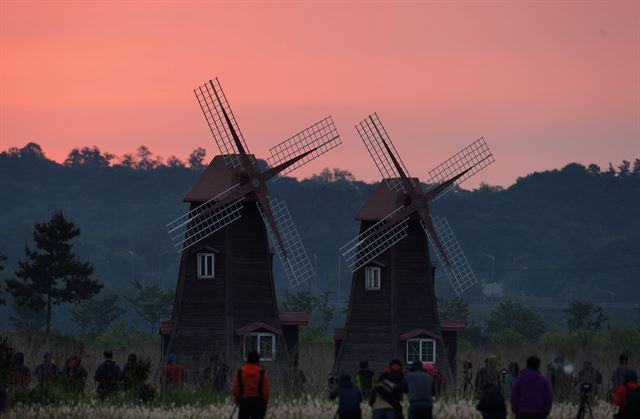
[225, 298]
[392, 309]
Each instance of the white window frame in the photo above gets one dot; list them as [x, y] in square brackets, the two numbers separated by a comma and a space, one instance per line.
[260, 336]
[421, 342]
[372, 278]
[201, 265]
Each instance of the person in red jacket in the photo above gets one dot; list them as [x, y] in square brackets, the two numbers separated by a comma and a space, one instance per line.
[251, 388]
[628, 396]
[173, 374]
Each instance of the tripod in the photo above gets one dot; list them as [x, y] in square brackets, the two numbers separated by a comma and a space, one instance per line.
[585, 405]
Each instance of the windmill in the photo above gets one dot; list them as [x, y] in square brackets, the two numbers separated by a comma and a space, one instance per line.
[392, 307]
[225, 297]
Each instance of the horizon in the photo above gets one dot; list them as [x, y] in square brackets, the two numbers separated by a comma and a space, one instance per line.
[543, 83]
[207, 160]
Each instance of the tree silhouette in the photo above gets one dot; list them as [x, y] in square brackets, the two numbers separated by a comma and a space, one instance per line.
[88, 156]
[52, 275]
[94, 316]
[151, 302]
[196, 158]
[512, 317]
[584, 315]
[455, 309]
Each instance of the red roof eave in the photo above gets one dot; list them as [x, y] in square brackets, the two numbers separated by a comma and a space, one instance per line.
[419, 332]
[252, 327]
[452, 325]
[294, 318]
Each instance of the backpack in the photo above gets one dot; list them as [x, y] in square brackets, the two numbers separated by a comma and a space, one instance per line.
[632, 406]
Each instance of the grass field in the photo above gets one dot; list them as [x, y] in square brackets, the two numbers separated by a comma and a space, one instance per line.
[311, 401]
[305, 407]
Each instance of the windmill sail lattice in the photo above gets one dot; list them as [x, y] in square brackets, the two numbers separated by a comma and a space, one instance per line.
[373, 241]
[204, 220]
[319, 137]
[476, 156]
[458, 269]
[212, 101]
[294, 258]
[373, 134]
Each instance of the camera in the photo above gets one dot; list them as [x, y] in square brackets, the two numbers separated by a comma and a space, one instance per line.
[585, 388]
[467, 365]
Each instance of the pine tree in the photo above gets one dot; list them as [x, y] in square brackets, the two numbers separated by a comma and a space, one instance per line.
[52, 274]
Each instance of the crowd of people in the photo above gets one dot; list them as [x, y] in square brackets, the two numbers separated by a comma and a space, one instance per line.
[531, 394]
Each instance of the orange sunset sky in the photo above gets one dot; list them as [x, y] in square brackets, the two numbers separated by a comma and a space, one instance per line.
[546, 83]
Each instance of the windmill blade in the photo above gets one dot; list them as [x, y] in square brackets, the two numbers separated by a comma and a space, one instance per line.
[472, 159]
[458, 269]
[214, 104]
[373, 241]
[206, 219]
[295, 261]
[319, 137]
[374, 136]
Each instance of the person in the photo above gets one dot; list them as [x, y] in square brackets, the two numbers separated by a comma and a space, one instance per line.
[421, 389]
[129, 371]
[47, 371]
[21, 374]
[173, 374]
[492, 404]
[627, 397]
[589, 375]
[395, 374]
[107, 375]
[349, 398]
[365, 379]
[215, 375]
[385, 400]
[617, 377]
[488, 374]
[251, 388]
[74, 373]
[561, 379]
[531, 396]
[513, 369]
[439, 380]
[467, 378]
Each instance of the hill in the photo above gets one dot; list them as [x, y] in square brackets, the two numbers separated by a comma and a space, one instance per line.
[571, 232]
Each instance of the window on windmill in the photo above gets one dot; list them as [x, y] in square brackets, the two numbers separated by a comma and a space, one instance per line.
[372, 278]
[423, 350]
[206, 265]
[264, 343]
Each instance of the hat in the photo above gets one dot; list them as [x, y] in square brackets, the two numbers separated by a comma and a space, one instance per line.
[345, 378]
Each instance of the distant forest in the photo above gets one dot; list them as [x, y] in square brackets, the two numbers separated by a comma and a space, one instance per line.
[554, 236]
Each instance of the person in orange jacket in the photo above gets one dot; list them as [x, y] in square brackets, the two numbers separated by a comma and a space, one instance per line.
[251, 388]
[173, 374]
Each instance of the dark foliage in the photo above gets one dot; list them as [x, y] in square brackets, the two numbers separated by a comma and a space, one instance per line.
[572, 230]
[93, 317]
[152, 303]
[584, 315]
[52, 274]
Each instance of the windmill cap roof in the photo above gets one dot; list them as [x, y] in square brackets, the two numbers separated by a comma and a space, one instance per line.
[216, 178]
[381, 202]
